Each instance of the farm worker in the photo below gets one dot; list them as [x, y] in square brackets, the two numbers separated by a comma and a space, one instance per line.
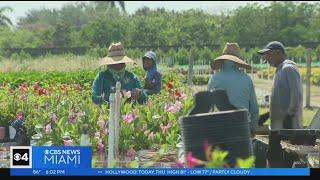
[286, 96]
[236, 82]
[116, 71]
[153, 77]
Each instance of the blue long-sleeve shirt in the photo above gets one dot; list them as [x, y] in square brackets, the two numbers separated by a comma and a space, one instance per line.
[153, 79]
[239, 87]
[104, 82]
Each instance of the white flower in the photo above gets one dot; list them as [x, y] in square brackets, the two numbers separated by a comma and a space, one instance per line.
[156, 116]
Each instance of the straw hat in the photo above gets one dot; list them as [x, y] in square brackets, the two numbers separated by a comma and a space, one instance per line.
[230, 52]
[116, 55]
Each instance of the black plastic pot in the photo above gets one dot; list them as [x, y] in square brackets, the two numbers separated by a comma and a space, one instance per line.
[228, 130]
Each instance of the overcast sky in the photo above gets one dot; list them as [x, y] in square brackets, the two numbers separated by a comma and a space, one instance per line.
[21, 7]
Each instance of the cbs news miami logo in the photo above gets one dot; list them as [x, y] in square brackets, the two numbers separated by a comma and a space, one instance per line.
[20, 157]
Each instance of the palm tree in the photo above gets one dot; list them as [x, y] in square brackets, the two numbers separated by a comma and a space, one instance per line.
[4, 20]
[121, 4]
[111, 4]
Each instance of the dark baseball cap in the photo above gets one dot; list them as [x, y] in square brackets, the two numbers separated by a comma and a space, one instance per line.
[273, 45]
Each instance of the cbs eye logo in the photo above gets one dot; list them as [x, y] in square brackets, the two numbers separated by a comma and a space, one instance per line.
[20, 157]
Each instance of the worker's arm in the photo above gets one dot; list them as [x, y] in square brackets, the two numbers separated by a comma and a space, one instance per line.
[253, 108]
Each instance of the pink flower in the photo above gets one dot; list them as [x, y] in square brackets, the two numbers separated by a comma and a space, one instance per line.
[48, 128]
[36, 86]
[23, 88]
[131, 152]
[183, 96]
[177, 93]
[42, 91]
[68, 142]
[101, 123]
[169, 107]
[173, 107]
[207, 149]
[54, 117]
[179, 164]
[178, 105]
[130, 117]
[193, 161]
[101, 147]
[72, 117]
[20, 116]
[64, 88]
[180, 95]
[165, 128]
[170, 84]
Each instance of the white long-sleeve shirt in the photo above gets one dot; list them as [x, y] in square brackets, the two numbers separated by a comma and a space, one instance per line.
[286, 96]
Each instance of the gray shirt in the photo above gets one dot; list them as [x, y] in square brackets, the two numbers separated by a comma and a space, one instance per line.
[287, 96]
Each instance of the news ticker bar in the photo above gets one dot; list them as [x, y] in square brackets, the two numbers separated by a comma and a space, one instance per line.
[163, 172]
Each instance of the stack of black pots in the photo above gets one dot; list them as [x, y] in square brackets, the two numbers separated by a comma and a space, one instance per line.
[228, 130]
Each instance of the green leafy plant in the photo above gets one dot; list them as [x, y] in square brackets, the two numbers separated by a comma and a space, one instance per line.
[216, 158]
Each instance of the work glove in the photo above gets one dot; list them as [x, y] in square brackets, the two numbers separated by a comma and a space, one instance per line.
[263, 118]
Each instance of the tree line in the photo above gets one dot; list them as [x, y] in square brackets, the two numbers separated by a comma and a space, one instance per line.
[96, 24]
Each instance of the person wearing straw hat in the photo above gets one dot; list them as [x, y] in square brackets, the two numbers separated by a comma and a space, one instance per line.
[116, 71]
[235, 81]
[153, 77]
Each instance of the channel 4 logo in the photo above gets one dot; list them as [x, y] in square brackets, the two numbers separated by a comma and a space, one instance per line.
[20, 157]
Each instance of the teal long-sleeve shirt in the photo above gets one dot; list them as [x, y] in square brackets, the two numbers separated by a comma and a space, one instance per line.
[239, 87]
[104, 82]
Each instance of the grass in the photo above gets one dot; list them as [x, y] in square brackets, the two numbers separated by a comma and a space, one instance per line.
[264, 86]
[50, 63]
[64, 63]
[308, 115]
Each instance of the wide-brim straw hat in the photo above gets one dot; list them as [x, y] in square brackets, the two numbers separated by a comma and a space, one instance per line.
[116, 55]
[231, 52]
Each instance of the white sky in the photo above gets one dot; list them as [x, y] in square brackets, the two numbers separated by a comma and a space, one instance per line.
[21, 7]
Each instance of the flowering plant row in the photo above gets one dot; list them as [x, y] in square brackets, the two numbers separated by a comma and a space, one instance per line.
[54, 113]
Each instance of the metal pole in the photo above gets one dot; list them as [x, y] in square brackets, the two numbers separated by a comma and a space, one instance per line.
[308, 83]
[190, 70]
[261, 74]
[116, 119]
[111, 130]
[268, 72]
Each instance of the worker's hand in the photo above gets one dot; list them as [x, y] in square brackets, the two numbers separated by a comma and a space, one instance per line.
[263, 118]
[287, 122]
[135, 94]
[253, 135]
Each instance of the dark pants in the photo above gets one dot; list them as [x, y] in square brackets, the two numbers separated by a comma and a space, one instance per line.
[260, 152]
